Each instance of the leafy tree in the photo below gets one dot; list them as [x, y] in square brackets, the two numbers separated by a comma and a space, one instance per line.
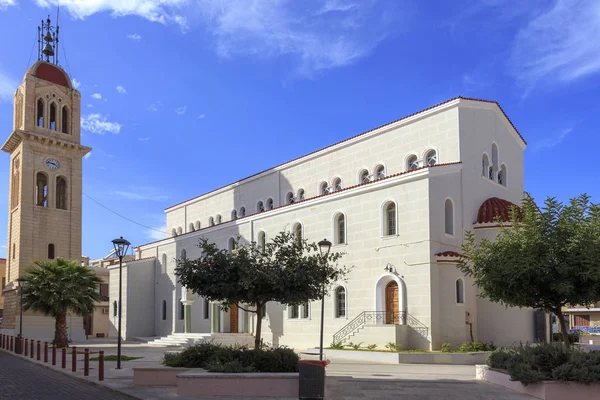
[57, 287]
[286, 270]
[545, 258]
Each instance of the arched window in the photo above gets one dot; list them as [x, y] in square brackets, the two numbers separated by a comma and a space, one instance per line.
[337, 184]
[262, 240]
[179, 230]
[323, 188]
[218, 219]
[164, 310]
[297, 231]
[289, 198]
[191, 227]
[65, 120]
[41, 188]
[231, 245]
[502, 175]
[40, 113]
[380, 172]
[52, 116]
[211, 221]
[412, 163]
[389, 219]
[61, 193]
[115, 308]
[183, 254]
[339, 233]
[449, 217]
[181, 309]
[340, 302]
[173, 232]
[51, 251]
[300, 194]
[233, 215]
[363, 176]
[431, 158]
[485, 165]
[206, 309]
[460, 291]
[163, 264]
[260, 207]
[242, 212]
[269, 204]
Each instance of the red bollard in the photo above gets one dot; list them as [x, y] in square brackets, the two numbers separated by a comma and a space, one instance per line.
[45, 352]
[74, 359]
[53, 355]
[31, 350]
[2, 341]
[11, 343]
[100, 365]
[26, 346]
[86, 362]
[38, 350]
[64, 358]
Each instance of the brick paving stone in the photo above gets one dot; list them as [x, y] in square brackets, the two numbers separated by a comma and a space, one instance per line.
[21, 379]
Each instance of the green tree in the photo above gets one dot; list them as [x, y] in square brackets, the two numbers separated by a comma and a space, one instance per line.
[57, 287]
[286, 270]
[544, 258]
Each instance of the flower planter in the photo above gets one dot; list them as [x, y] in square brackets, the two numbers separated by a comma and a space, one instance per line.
[546, 390]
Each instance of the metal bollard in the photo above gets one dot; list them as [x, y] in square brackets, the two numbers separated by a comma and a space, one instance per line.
[31, 350]
[38, 350]
[74, 359]
[64, 358]
[101, 365]
[45, 352]
[26, 346]
[86, 362]
[2, 345]
[53, 354]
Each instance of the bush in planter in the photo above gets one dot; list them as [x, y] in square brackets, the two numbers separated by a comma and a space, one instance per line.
[573, 337]
[470, 347]
[446, 347]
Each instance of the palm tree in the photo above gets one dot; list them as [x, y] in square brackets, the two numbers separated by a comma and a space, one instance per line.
[56, 287]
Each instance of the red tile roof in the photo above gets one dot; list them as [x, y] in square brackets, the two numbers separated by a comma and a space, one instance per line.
[50, 72]
[448, 253]
[361, 134]
[493, 209]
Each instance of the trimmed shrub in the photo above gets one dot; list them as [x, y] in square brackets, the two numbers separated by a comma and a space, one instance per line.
[573, 337]
[446, 347]
[470, 347]
[218, 358]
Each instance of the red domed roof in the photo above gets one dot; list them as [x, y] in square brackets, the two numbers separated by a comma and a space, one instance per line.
[493, 209]
[50, 72]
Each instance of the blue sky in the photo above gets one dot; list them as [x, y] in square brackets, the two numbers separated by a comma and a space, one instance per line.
[182, 96]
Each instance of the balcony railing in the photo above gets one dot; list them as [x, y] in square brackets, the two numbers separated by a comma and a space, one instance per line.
[379, 318]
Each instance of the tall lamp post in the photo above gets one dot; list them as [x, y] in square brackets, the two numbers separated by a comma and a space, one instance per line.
[121, 247]
[324, 247]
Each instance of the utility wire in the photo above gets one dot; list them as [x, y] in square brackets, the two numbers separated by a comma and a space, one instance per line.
[122, 216]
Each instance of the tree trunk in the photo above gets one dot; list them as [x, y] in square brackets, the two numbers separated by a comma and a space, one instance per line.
[258, 326]
[61, 339]
[563, 326]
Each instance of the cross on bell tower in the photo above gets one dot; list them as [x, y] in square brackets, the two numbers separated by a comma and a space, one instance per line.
[48, 42]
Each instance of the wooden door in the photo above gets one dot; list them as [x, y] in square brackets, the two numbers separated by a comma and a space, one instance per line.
[582, 320]
[233, 318]
[391, 303]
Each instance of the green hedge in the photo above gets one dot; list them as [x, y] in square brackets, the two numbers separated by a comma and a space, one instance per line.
[573, 337]
[547, 362]
[218, 358]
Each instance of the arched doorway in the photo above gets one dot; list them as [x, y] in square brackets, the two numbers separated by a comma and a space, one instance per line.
[391, 303]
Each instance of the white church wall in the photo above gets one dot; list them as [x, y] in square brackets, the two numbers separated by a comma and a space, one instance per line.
[140, 317]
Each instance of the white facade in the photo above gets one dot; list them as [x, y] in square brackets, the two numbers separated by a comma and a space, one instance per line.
[434, 204]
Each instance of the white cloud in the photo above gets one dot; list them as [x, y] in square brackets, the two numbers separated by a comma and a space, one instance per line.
[7, 87]
[90, 106]
[97, 96]
[76, 83]
[181, 110]
[88, 155]
[121, 90]
[554, 140]
[141, 193]
[201, 116]
[561, 44]
[5, 3]
[135, 37]
[144, 139]
[97, 123]
[154, 106]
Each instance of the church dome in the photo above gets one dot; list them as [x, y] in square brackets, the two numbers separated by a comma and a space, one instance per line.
[50, 72]
[493, 209]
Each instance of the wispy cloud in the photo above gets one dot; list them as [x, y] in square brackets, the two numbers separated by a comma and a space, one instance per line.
[7, 87]
[181, 110]
[560, 44]
[90, 106]
[76, 83]
[158, 224]
[97, 96]
[135, 37]
[88, 155]
[144, 139]
[141, 193]
[5, 3]
[97, 123]
[554, 140]
[121, 90]
[201, 116]
[154, 106]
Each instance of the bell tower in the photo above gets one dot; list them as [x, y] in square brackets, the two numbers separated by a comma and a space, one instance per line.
[44, 211]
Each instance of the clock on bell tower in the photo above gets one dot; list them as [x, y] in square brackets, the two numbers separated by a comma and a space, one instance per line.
[45, 185]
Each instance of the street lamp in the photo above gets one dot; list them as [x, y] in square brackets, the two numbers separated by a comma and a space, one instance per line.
[121, 246]
[324, 247]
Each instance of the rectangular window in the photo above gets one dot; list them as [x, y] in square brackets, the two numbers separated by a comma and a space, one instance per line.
[305, 310]
[104, 291]
[582, 320]
[293, 312]
[206, 309]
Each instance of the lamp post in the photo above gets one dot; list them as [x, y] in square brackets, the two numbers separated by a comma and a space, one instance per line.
[121, 246]
[324, 247]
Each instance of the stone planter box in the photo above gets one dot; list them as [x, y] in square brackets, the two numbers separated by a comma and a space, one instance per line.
[408, 358]
[161, 376]
[199, 383]
[546, 390]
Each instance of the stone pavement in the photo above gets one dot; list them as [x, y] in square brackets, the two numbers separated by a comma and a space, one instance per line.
[346, 380]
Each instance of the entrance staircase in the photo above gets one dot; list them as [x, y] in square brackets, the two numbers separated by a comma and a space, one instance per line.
[189, 339]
